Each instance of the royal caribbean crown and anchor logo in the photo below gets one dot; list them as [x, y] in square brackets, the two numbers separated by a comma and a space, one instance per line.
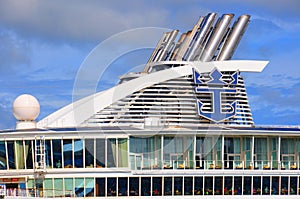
[222, 92]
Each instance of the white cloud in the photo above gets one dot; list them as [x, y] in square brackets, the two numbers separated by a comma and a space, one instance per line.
[77, 20]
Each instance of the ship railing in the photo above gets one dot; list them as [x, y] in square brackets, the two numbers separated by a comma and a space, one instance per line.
[46, 193]
[219, 164]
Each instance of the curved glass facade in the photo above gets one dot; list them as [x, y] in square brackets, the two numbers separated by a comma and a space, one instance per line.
[158, 165]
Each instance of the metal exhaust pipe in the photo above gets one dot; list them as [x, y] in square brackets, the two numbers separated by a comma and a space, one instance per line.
[216, 37]
[234, 38]
[167, 46]
[188, 40]
[162, 47]
[204, 30]
[177, 46]
[155, 52]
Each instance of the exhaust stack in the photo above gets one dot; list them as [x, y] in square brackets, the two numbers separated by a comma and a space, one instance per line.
[234, 38]
[188, 40]
[206, 27]
[216, 38]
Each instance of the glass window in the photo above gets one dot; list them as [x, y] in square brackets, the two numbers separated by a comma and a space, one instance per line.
[79, 187]
[58, 187]
[156, 186]
[89, 153]
[57, 153]
[3, 161]
[19, 150]
[122, 186]
[247, 185]
[256, 185]
[100, 153]
[266, 185]
[30, 186]
[48, 187]
[275, 185]
[148, 149]
[261, 152]
[238, 185]
[134, 186]
[218, 185]
[111, 152]
[11, 154]
[145, 186]
[198, 186]
[100, 187]
[228, 185]
[67, 150]
[232, 153]
[78, 153]
[288, 153]
[247, 152]
[111, 186]
[178, 152]
[168, 186]
[122, 152]
[89, 187]
[284, 185]
[293, 185]
[178, 186]
[48, 153]
[29, 154]
[204, 152]
[69, 187]
[188, 185]
[208, 185]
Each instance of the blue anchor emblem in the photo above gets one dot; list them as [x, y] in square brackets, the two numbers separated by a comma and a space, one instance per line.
[220, 111]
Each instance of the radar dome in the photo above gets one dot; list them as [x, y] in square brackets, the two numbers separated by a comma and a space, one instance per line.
[26, 108]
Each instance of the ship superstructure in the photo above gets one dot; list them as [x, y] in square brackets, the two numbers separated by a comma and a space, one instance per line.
[181, 127]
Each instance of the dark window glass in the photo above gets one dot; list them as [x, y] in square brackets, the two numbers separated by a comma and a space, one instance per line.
[208, 186]
[11, 154]
[3, 162]
[188, 185]
[256, 185]
[177, 185]
[78, 153]
[122, 186]
[68, 148]
[145, 186]
[111, 186]
[218, 186]
[100, 153]
[228, 185]
[284, 185]
[156, 186]
[100, 186]
[28, 152]
[266, 185]
[247, 185]
[168, 186]
[237, 185]
[47, 153]
[57, 155]
[134, 186]
[293, 185]
[275, 185]
[89, 153]
[198, 186]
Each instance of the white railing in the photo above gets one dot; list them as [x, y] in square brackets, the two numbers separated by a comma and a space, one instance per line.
[217, 164]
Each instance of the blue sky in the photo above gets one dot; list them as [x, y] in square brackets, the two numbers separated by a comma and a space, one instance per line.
[44, 43]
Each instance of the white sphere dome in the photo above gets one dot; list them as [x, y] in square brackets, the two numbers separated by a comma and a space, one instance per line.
[26, 108]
